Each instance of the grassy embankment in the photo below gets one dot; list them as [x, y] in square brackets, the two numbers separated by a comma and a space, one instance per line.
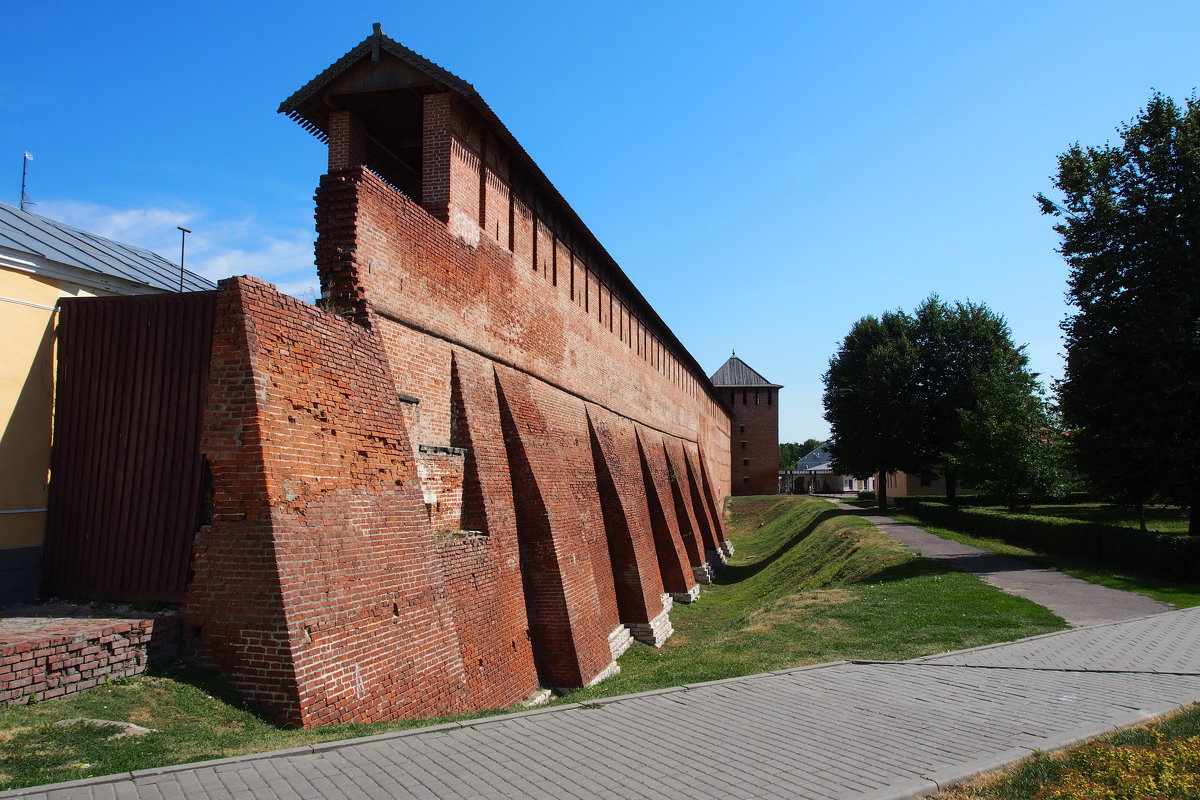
[808, 584]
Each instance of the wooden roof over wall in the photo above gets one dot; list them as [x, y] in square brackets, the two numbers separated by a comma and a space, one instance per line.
[383, 82]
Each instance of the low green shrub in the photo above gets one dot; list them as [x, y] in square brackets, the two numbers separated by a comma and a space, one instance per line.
[1160, 555]
[1159, 771]
[1026, 499]
[866, 495]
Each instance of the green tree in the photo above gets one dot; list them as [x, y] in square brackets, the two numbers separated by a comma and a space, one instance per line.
[1008, 442]
[868, 398]
[788, 453]
[1130, 233]
[965, 355]
[944, 390]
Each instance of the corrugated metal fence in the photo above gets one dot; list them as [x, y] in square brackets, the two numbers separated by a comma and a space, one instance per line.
[126, 471]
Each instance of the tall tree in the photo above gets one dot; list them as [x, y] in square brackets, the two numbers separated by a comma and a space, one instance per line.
[1008, 442]
[965, 353]
[868, 398]
[1130, 229]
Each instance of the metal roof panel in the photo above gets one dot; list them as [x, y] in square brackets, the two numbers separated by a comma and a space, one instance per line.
[58, 242]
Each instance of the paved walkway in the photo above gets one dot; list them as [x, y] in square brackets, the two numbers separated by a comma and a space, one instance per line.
[842, 730]
[1076, 601]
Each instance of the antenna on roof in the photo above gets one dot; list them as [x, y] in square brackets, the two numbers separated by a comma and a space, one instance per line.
[182, 248]
[25, 159]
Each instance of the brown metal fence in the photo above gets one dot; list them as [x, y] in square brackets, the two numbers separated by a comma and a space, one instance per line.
[126, 475]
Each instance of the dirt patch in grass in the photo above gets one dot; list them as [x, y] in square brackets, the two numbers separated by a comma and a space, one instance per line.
[795, 609]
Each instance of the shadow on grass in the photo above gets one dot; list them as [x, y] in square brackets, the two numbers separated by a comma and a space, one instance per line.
[211, 683]
[737, 573]
[908, 570]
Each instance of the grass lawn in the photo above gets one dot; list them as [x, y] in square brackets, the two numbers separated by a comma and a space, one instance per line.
[808, 584]
[1159, 760]
[1178, 593]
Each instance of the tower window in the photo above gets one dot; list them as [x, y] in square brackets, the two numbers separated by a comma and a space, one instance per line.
[741, 428]
[745, 462]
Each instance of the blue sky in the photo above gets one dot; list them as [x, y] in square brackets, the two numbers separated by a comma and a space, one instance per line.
[765, 172]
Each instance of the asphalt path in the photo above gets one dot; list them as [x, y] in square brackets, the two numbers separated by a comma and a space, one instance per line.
[1076, 601]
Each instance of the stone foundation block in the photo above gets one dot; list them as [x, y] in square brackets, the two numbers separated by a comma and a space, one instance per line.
[689, 596]
[607, 672]
[619, 641]
[655, 632]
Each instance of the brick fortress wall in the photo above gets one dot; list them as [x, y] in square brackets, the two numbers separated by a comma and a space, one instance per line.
[482, 467]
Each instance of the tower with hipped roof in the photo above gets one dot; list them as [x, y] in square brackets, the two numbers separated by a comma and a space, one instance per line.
[754, 433]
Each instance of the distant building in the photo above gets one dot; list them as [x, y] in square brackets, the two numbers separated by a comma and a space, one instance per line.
[815, 475]
[754, 436]
[904, 484]
[42, 261]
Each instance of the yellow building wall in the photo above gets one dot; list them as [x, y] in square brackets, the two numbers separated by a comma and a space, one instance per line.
[27, 401]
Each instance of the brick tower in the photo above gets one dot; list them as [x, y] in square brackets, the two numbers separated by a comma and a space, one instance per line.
[754, 434]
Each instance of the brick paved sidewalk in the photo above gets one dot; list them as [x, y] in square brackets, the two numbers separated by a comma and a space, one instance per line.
[842, 730]
[1076, 601]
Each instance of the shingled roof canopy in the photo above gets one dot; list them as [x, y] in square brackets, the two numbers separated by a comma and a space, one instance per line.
[58, 248]
[384, 83]
[736, 372]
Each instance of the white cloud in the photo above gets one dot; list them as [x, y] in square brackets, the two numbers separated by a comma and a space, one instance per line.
[217, 247]
[151, 228]
[285, 262]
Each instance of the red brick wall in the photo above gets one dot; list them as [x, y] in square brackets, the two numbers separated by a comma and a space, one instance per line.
[637, 581]
[316, 590]
[674, 561]
[466, 474]
[489, 610]
[378, 249]
[755, 464]
[569, 593]
[63, 656]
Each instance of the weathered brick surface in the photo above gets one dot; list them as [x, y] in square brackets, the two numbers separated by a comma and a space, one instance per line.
[381, 251]
[631, 544]
[315, 589]
[464, 474]
[571, 604]
[674, 561]
[488, 598]
[50, 658]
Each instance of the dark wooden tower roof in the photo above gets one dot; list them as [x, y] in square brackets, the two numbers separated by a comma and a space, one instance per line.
[736, 372]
